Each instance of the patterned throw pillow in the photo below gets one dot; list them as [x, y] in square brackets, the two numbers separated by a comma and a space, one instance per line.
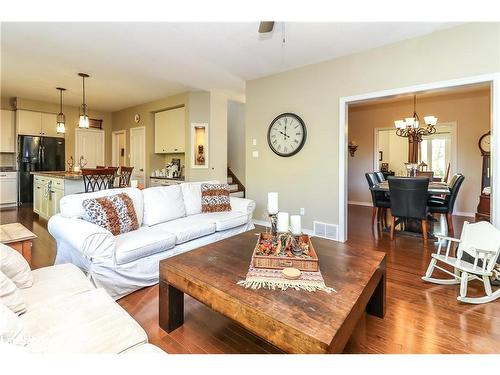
[215, 198]
[115, 213]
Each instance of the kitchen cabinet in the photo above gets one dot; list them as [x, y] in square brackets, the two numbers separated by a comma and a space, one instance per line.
[163, 182]
[8, 131]
[36, 123]
[170, 131]
[8, 189]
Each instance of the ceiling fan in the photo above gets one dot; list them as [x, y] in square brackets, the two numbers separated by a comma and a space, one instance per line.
[266, 27]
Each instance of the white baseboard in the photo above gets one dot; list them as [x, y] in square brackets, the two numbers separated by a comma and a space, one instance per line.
[358, 203]
[265, 223]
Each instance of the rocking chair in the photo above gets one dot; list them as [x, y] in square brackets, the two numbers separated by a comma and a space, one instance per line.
[480, 242]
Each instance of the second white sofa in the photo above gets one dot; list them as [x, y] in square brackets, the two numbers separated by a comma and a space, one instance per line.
[171, 222]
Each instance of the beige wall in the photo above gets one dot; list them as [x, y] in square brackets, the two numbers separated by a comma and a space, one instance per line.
[202, 107]
[236, 139]
[471, 112]
[310, 178]
[72, 116]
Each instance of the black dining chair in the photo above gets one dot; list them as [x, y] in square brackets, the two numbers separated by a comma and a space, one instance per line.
[444, 206]
[409, 200]
[380, 176]
[379, 200]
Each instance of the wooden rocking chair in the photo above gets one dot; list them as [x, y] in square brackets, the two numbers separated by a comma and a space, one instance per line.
[481, 243]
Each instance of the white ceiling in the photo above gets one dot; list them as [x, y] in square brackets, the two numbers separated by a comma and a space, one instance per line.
[133, 63]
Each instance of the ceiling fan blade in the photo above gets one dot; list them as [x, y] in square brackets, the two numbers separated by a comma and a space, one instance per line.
[266, 27]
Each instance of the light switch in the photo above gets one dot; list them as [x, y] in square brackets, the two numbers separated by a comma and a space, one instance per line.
[255, 154]
[254, 142]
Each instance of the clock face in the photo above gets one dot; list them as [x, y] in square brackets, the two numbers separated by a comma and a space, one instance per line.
[485, 143]
[287, 134]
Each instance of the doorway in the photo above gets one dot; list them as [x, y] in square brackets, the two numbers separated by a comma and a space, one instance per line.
[119, 148]
[138, 154]
[493, 80]
[89, 147]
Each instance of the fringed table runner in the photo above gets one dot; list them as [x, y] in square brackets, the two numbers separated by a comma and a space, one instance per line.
[273, 279]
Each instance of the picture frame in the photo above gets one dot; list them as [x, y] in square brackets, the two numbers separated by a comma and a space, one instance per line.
[384, 167]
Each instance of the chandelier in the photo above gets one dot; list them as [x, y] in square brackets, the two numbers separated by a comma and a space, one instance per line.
[410, 126]
[84, 117]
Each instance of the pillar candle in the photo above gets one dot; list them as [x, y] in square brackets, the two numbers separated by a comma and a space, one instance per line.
[272, 203]
[283, 223]
[295, 224]
[134, 183]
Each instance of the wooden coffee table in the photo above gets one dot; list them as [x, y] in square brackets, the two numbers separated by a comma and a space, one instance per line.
[294, 321]
[18, 237]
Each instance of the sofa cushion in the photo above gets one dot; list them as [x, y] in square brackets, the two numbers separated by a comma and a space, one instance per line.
[163, 203]
[215, 198]
[10, 295]
[142, 243]
[12, 329]
[115, 213]
[15, 267]
[191, 192]
[188, 228]
[54, 283]
[71, 205]
[227, 220]
[89, 322]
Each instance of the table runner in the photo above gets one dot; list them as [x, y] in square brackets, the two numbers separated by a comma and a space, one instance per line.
[273, 279]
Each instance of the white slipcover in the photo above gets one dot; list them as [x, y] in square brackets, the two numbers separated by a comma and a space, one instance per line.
[191, 192]
[163, 203]
[188, 228]
[15, 267]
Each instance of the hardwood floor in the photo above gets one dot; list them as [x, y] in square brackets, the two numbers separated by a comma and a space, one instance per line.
[420, 317]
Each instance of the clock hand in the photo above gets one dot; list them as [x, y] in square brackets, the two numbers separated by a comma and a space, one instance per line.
[285, 135]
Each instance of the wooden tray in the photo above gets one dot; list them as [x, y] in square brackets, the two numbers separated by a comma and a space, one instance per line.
[276, 262]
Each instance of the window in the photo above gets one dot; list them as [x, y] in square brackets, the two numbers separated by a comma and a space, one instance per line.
[435, 151]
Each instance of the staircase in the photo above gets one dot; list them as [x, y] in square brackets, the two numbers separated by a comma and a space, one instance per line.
[236, 188]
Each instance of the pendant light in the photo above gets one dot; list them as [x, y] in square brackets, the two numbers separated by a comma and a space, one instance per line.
[61, 119]
[84, 117]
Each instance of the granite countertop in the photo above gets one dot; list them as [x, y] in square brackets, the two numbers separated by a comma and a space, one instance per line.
[60, 174]
[169, 178]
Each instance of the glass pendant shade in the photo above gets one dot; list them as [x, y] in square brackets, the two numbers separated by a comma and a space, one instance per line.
[61, 118]
[83, 122]
[430, 120]
[400, 124]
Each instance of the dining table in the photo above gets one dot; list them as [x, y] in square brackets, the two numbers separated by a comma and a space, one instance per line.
[435, 188]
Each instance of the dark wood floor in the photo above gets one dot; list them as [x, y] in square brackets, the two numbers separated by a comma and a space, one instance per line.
[420, 318]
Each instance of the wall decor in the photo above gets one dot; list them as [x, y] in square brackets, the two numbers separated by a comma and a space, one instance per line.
[137, 118]
[199, 145]
[352, 146]
[287, 134]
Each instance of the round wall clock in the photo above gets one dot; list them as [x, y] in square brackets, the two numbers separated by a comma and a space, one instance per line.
[485, 143]
[137, 118]
[287, 134]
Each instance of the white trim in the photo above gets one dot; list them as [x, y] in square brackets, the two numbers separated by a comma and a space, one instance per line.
[359, 203]
[493, 78]
[266, 223]
[114, 158]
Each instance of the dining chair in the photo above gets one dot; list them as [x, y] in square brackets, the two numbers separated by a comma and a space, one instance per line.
[447, 174]
[428, 174]
[125, 174]
[476, 256]
[98, 178]
[379, 200]
[444, 206]
[380, 176]
[409, 200]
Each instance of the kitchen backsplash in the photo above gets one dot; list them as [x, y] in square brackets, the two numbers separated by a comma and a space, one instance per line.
[7, 160]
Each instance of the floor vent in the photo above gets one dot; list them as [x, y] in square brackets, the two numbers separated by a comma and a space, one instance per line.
[325, 230]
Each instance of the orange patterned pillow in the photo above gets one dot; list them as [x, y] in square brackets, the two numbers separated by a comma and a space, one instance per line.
[215, 198]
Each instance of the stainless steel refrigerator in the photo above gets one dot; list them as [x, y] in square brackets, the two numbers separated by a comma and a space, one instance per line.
[37, 154]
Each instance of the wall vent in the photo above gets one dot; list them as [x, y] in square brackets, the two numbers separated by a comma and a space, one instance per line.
[325, 230]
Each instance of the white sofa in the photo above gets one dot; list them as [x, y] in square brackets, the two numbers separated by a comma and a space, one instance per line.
[65, 313]
[170, 222]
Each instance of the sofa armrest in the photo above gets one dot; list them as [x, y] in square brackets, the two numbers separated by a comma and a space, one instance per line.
[89, 239]
[243, 205]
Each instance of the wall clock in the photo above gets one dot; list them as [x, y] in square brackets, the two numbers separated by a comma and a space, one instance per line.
[137, 118]
[287, 134]
[485, 143]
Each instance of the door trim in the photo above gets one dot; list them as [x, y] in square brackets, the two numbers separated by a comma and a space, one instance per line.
[143, 128]
[114, 156]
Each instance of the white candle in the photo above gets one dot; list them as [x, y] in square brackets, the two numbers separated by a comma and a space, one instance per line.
[295, 224]
[134, 183]
[272, 203]
[283, 223]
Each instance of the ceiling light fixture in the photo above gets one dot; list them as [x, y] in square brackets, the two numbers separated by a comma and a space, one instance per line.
[84, 117]
[61, 119]
[410, 126]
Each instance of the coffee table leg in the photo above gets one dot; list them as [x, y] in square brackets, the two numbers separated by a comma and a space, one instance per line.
[376, 304]
[171, 303]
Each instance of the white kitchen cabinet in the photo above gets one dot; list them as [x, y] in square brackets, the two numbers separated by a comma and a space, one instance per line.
[89, 143]
[48, 191]
[8, 188]
[36, 123]
[170, 131]
[8, 131]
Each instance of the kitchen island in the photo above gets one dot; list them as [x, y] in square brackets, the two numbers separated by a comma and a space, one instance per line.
[50, 187]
